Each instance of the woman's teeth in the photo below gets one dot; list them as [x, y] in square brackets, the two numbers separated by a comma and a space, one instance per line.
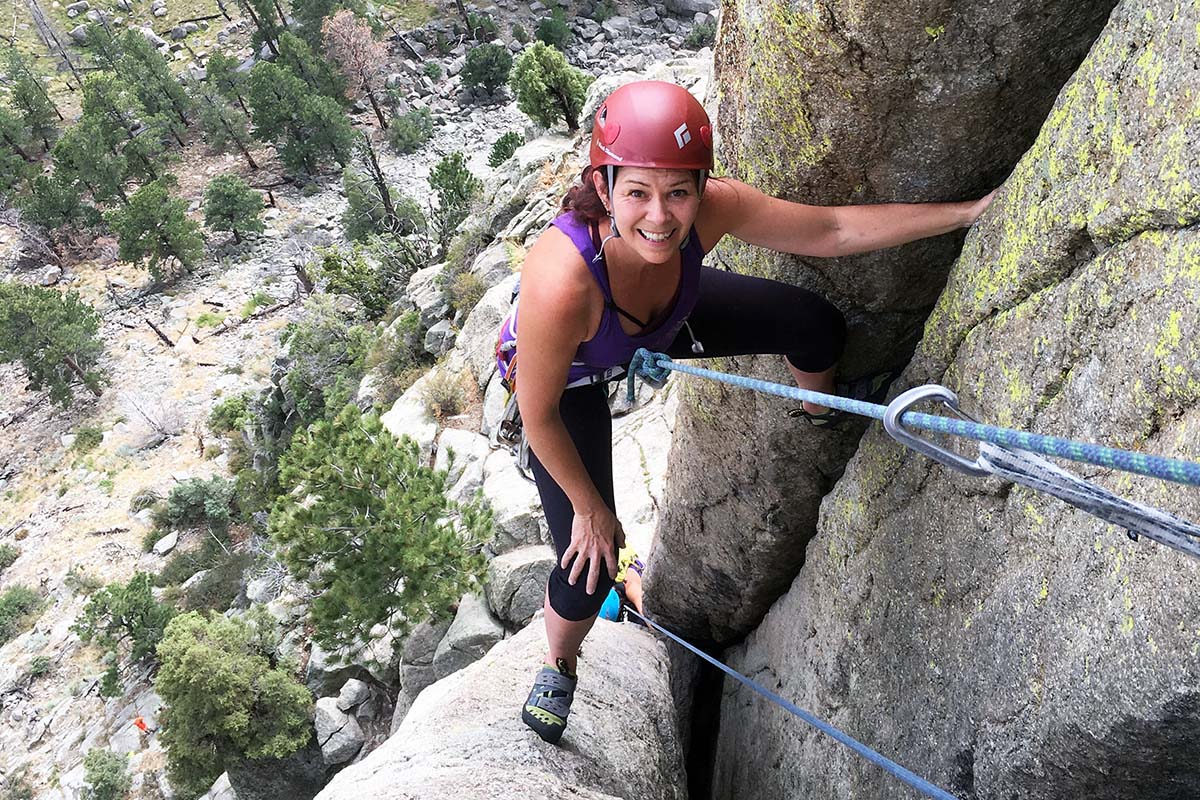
[654, 237]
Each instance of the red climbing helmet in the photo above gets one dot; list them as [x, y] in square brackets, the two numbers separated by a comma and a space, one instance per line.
[652, 124]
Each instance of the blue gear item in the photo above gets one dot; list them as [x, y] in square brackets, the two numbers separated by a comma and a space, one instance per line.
[611, 610]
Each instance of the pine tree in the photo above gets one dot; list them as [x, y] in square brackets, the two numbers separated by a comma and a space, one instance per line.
[456, 187]
[155, 225]
[125, 615]
[305, 63]
[54, 337]
[162, 96]
[16, 162]
[223, 125]
[307, 129]
[220, 72]
[547, 87]
[29, 96]
[226, 697]
[123, 124]
[368, 525]
[52, 205]
[83, 159]
[312, 14]
[231, 205]
[267, 22]
[488, 66]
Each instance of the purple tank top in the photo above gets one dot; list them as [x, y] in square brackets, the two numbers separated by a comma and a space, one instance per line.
[612, 346]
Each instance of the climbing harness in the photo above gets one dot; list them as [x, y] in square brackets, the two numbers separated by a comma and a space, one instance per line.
[1005, 453]
[909, 777]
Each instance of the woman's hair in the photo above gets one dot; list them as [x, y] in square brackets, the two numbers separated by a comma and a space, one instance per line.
[582, 199]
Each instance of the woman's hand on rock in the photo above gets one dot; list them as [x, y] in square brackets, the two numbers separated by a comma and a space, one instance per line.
[979, 206]
[594, 536]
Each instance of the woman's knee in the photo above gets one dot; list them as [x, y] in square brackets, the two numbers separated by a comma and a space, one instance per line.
[573, 603]
[820, 335]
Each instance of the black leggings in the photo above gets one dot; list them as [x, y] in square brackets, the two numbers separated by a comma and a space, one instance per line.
[734, 315]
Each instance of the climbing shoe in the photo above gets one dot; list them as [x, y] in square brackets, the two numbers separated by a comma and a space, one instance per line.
[549, 701]
[872, 388]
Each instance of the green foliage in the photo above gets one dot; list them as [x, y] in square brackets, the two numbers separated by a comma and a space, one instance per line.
[225, 697]
[368, 525]
[231, 414]
[105, 775]
[54, 335]
[210, 319]
[519, 34]
[328, 354]
[113, 112]
[221, 584]
[231, 205]
[145, 497]
[443, 394]
[409, 132]
[456, 187]
[547, 88]
[362, 277]
[197, 501]
[466, 291]
[267, 26]
[110, 681]
[16, 787]
[83, 161]
[257, 300]
[553, 30]
[17, 607]
[9, 553]
[40, 666]
[125, 612]
[81, 582]
[296, 55]
[145, 69]
[400, 357]
[220, 72]
[603, 10]
[702, 35]
[504, 147]
[87, 437]
[307, 128]
[17, 162]
[432, 70]
[155, 225]
[487, 66]
[54, 204]
[366, 213]
[28, 94]
[224, 125]
[482, 26]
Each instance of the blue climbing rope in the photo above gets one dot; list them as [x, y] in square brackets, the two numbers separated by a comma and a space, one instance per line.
[909, 777]
[655, 366]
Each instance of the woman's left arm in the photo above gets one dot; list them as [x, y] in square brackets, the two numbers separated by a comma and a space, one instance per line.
[741, 210]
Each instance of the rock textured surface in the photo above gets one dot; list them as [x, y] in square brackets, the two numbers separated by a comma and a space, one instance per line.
[996, 640]
[833, 103]
[622, 741]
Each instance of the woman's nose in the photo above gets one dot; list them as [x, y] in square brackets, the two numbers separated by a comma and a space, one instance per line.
[657, 210]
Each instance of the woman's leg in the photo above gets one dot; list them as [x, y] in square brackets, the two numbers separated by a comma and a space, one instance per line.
[738, 315]
[570, 610]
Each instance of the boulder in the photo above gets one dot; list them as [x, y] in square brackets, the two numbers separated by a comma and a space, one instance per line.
[746, 481]
[221, 790]
[426, 293]
[478, 337]
[416, 664]
[687, 8]
[471, 634]
[463, 740]
[617, 28]
[409, 416]
[79, 34]
[1000, 641]
[458, 450]
[439, 339]
[516, 583]
[517, 517]
[338, 733]
[298, 777]
[354, 693]
[166, 544]
[494, 264]
[48, 275]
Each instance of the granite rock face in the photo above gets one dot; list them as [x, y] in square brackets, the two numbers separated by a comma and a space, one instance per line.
[836, 103]
[996, 640]
[463, 739]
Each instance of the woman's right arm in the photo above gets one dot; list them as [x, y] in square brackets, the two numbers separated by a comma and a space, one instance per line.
[556, 310]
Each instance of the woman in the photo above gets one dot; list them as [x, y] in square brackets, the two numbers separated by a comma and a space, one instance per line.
[620, 269]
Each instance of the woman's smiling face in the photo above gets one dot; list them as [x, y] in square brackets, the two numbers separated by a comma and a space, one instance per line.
[654, 208]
